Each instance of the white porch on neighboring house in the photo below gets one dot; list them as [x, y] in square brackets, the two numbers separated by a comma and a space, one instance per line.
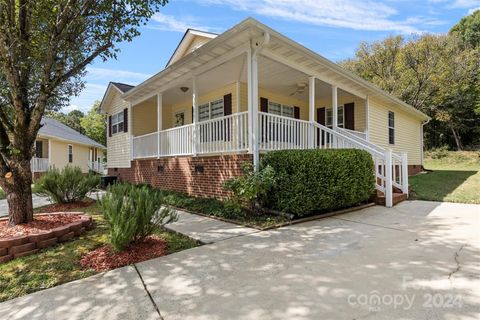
[276, 100]
[41, 160]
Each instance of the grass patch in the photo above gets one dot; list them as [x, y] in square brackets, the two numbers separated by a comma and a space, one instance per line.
[455, 177]
[220, 209]
[60, 264]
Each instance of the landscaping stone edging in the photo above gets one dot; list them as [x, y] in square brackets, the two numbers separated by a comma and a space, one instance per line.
[20, 246]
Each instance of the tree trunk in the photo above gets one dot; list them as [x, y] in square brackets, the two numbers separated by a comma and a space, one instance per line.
[18, 189]
[458, 141]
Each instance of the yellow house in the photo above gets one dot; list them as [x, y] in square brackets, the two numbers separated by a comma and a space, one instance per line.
[226, 99]
[58, 145]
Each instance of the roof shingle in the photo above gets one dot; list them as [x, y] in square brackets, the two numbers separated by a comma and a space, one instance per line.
[56, 129]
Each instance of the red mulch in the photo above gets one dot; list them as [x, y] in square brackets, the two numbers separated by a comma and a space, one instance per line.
[105, 258]
[40, 223]
[62, 207]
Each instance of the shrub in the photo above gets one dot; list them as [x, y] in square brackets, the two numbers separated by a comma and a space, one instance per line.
[66, 185]
[252, 188]
[133, 213]
[310, 181]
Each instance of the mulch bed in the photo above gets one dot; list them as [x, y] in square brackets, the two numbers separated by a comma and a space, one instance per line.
[40, 223]
[105, 258]
[61, 207]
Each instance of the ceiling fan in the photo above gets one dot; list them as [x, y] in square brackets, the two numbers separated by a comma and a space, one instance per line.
[301, 86]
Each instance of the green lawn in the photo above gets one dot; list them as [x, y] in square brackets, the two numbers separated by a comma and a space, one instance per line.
[455, 177]
[60, 264]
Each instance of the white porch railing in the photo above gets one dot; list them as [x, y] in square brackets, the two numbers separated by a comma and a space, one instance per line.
[96, 166]
[176, 141]
[230, 134]
[225, 134]
[39, 164]
[145, 146]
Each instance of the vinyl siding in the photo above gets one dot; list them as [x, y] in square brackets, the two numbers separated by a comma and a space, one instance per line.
[407, 131]
[118, 145]
[359, 108]
[144, 117]
[196, 43]
[59, 155]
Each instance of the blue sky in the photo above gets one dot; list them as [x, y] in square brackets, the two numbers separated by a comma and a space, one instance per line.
[333, 28]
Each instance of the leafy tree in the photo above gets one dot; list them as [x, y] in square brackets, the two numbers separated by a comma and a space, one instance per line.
[468, 29]
[45, 47]
[94, 124]
[72, 119]
[434, 73]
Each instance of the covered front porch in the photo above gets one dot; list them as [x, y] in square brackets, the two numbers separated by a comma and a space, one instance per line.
[214, 113]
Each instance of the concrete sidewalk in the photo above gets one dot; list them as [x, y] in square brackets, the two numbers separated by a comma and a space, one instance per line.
[324, 269]
[206, 230]
[38, 201]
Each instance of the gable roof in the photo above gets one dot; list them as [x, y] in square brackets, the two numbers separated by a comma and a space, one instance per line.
[122, 88]
[55, 129]
[226, 43]
[186, 41]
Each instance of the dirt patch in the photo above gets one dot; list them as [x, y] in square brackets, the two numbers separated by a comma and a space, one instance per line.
[61, 207]
[105, 258]
[40, 224]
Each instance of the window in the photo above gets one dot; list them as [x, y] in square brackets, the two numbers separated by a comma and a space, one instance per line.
[281, 109]
[70, 153]
[391, 127]
[38, 149]
[179, 119]
[211, 110]
[329, 117]
[117, 123]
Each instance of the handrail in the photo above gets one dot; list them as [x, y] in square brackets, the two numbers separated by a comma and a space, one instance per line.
[222, 118]
[283, 117]
[177, 128]
[145, 135]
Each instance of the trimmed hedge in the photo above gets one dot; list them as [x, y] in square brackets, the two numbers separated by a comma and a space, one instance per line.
[309, 181]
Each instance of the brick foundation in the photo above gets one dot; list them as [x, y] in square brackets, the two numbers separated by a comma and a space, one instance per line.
[414, 169]
[201, 176]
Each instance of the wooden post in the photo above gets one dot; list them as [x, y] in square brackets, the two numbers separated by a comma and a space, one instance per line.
[254, 129]
[404, 173]
[367, 120]
[388, 179]
[195, 115]
[311, 111]
[335, 106]
[250, 101]
[159, 123]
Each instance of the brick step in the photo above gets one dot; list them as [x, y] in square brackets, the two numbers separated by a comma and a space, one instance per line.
[379, 198]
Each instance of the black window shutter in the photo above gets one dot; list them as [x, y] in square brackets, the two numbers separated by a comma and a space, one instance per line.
[321, 116]
[263, 104]
[193, 114]
[227, 104]
[296, 112]
[109, 126]
[349, 116]
[125, 120]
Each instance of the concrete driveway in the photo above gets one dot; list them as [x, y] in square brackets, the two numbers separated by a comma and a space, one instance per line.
[419, 260]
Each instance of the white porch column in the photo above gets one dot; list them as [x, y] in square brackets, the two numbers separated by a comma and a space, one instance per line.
[250, 101]
[334, 107]
[405, 173]
[159, 122]
[130, 132]
[367, 120]
[195, 114]
[311, 111]
[256, 155]
[388, 179]
[49, 153]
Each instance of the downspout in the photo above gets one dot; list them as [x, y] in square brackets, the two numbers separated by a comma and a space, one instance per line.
[257, 48]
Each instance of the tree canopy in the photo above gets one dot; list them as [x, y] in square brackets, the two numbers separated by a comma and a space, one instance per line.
[44, 49]
[437, 74]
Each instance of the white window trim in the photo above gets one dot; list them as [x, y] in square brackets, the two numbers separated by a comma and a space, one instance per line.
[116, 123]
[340, 125]
[68, 153]
[388, 127]
[282, 113]
[210, 109]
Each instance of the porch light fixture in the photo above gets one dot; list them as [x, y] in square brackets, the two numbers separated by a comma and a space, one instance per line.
[184, 89]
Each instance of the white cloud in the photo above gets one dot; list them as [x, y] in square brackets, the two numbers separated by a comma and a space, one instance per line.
[353, 14]
[473, 10]
[170, 23]
[465, 4]
[129, 77]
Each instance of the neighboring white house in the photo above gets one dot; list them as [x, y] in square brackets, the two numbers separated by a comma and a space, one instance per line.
[58, 145]
[223, 100]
